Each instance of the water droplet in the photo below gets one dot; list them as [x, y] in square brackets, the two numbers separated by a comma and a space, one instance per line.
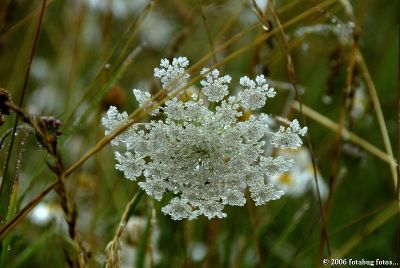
[351, 25]
[326, 99]
[305, 47]
[107, 66]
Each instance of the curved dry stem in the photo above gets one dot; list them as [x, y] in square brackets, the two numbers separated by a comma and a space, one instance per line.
[4, 36]
[5, 187]
[113, 257]
[346, 134]
[379, 114]
[292, 77]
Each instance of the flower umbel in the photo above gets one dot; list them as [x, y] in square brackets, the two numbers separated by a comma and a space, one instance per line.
[172, 75]
[205, 156]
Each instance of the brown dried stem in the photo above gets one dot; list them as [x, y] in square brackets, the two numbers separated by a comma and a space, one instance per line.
[5, 184]
[112, 250]
[292, 77]
[48, 138]
[342, 119]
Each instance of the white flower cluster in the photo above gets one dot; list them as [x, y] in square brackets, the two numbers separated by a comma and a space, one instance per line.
[215, 87]
[173, 76]
[204, 157]
[288, 138]
[255, 93]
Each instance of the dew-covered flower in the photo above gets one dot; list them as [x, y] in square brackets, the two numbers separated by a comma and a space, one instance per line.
[288, 138]
[255, 93]
[113, 120]
[144, 98]
[215, 87]
[204, 156]
[173, 75]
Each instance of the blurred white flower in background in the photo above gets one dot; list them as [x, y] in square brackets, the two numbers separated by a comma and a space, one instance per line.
[46, 99]
[300, 179]
[92, 34]
[343, 31]
[359, 103]
[247, 16]
[130, 243]
[197, 251]
[45, 213]
[155, 31]
[40, 69]
[119, 8]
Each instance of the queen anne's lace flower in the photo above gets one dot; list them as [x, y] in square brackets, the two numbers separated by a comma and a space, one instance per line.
[288, 138]
[255, 93]
[264, 193]
[144, 98]
[113, 119]
[215, 87]
[131, 167]
[173, 76]
[204, 156]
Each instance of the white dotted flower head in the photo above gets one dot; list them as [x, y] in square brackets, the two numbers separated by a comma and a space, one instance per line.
[204, 156]
[173, 75]
[288, 138]
[263, 193]
[179, 209]
[113, 120]
[255, 93]
[175, 109]
[144, 100]
[214, 87]
[131, 167]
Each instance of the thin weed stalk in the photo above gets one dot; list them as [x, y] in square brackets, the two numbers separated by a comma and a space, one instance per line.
[351, 136]
[398, 168]
[259, 253]
[207, 28]
[21, 23]
[115, 59]
[292, 77]
[113, 248]
[342, 119]
[379, 114]
[5, 186]
[47, 136]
